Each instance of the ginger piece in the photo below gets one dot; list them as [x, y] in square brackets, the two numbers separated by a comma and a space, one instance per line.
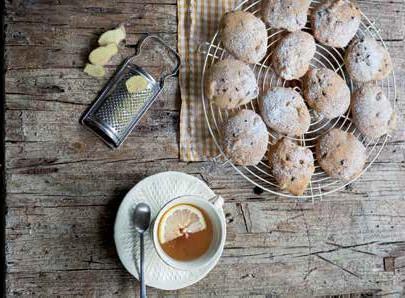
[137, 83]
[96, 71]
[112, 36]
[101, 55]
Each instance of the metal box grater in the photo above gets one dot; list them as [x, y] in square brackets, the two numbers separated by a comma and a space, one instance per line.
[115, 111]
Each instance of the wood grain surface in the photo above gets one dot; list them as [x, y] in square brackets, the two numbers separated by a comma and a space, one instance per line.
[64, 186]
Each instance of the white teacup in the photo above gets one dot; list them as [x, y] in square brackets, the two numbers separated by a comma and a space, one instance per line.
[213, 209]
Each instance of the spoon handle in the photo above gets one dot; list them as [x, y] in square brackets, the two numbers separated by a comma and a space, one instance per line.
[142, 275]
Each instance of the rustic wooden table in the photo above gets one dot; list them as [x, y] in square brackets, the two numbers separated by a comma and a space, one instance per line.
[64, 186]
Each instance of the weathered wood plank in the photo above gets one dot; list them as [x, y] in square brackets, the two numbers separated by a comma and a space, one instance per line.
[61, 89]
[68, 44]
[39, 126]
[73, 179]
[140, 15]
[66, 37]
[311, 243]
[54, 283]
[288, 231]
[50, 176]
[388, 16]
[59, 56]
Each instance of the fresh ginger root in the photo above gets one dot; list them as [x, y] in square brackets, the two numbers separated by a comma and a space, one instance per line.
[96, 71]
[136, 84]
[100, 56]
[103, 54]
[112, 36]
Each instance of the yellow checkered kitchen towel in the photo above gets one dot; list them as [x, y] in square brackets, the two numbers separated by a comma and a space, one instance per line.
[198, 21]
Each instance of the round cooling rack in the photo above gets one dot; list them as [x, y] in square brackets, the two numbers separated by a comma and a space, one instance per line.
[321, 184]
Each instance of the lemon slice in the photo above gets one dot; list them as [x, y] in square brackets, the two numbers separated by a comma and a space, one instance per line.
[180, 220]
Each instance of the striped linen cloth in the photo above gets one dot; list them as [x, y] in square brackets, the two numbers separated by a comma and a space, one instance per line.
[198, 21]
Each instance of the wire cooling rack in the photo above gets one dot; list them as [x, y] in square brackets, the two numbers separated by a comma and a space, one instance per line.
[321, 184]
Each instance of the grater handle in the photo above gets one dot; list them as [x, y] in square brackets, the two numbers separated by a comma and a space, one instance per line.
[162, 42]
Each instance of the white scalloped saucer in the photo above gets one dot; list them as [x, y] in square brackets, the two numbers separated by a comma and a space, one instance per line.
[156, 191]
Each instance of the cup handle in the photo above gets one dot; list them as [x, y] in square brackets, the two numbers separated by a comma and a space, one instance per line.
[217, 201]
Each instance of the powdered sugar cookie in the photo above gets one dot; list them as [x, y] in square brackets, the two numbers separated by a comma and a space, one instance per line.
[284, 110]
[292, 165]
[231, 83]
[372, 111]
[341, 155]
[293, 54]
[244, 36]
[286, 14]
[367, 60]
[335, 22]
[245, 138]
[326, 92]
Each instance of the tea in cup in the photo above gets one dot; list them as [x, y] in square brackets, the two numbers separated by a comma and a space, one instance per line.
[189, 232]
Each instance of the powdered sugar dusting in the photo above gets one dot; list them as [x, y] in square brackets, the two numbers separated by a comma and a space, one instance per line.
[335, 22]
[231, 83]
[284, 110]
[366, 60]
[286, 14]
[326, 92]
[292, 165]
[341, 155]
[293, 54]
[372, 111]
[244, 36]
[245, 138]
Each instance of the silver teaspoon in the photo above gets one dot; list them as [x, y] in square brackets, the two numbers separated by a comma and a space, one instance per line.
[141, 220]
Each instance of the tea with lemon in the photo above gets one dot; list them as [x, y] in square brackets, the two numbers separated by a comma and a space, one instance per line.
[185, 232]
